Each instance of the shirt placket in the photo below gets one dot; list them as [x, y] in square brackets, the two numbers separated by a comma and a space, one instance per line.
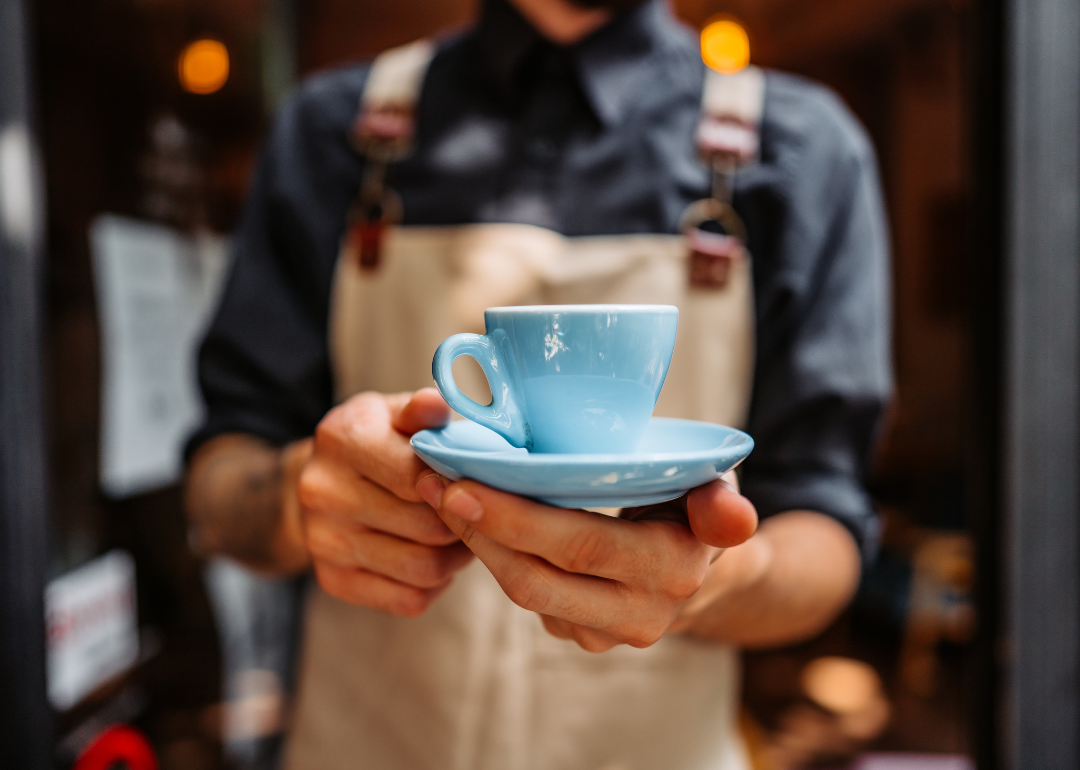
[548, 112]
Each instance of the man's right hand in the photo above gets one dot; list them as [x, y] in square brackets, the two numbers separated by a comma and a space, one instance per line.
[373, 541]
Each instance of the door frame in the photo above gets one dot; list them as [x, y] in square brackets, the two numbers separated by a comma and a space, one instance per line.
[25, 716]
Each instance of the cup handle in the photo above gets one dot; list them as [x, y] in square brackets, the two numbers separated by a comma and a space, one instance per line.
[502, 415]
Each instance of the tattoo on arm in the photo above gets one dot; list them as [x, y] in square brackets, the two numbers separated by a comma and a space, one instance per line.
[234, 499]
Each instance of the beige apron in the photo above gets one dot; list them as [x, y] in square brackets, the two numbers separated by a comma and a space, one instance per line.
[476, 683]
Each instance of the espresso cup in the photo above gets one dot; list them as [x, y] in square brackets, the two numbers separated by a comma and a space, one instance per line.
[565, 378]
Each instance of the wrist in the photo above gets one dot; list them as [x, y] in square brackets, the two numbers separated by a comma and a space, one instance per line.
[737, 571]
[290, 546]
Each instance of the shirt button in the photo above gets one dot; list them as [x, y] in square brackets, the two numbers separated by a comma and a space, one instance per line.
[541, 149]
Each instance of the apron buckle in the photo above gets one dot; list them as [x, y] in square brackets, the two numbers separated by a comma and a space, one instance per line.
[375, 209]
[364, 242]
[711, 255]
[715, 237]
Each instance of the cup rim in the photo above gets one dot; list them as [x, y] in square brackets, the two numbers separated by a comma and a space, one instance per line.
[583, 309]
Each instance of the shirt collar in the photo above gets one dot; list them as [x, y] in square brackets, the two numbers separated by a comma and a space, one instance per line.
[613, 64]
[506, 41]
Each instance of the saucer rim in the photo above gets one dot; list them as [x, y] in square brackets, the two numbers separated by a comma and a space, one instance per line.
[744, 445]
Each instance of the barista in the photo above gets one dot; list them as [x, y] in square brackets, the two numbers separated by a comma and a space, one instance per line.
[565, 123]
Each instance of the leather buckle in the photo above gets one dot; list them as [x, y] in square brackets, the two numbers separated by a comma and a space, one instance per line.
[715, 238]
[365, 231]
[384, 135]
[711, 257]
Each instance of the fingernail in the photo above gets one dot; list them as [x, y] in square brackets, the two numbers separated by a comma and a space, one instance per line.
[464, 505]
[431, 488]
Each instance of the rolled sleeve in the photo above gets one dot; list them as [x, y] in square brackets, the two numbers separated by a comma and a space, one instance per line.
[264, 364]
[823, 373]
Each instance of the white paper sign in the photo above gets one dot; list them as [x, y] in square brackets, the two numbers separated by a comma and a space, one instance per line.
[156, 288]
[91, 629]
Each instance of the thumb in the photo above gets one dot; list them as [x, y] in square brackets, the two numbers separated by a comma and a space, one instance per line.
[424, 409]
[720, 516]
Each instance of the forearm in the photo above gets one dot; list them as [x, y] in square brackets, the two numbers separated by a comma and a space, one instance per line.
[240, 496]
[783, 585]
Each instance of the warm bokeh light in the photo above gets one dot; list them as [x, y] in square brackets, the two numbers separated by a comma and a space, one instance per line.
[841, 685]
[203, 67]
[725, 46]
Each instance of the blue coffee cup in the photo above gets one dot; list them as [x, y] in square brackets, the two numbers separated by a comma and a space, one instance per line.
[565, 378]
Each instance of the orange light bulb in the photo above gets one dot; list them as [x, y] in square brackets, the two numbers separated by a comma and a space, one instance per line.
[203, 67]
[725, 46]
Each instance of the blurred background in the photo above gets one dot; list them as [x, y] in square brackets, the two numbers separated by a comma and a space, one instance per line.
[149, 116]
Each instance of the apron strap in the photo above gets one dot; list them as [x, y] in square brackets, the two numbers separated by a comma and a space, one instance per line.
[731, 107]
[385, 126]
[727, 139]
[383, 133]
[386, 123]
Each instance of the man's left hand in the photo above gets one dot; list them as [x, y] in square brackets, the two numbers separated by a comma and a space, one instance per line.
[596, 579]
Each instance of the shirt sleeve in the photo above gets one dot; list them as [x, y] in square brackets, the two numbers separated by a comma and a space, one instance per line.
[264, 365]
[823, 315]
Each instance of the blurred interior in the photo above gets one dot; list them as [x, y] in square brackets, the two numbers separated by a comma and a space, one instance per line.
[120, 135]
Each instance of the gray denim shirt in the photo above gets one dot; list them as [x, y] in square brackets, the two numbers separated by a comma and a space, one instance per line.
[594, 139]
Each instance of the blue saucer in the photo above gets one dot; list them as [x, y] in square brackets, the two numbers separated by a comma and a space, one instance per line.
[675, 456]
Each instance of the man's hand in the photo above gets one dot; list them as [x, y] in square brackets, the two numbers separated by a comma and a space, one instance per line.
[598, 580]
[351, 503]
[373, 540]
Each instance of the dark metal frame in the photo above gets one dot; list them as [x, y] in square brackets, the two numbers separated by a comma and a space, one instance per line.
[25, 717]
[983, 435]
[1039, 709]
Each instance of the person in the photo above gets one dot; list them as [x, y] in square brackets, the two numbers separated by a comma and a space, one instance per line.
[546, 152]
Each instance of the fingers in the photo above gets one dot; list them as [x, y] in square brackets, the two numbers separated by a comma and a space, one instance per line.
[589, 639]
[557, 627]
[353, 523]
[423, 409]
[376, 591]
[331, 489]
[628, 612]
[598, 580]
[414, 564]
[720, 516]
[536, 585]
[372, 539]
[579, 541]
[361, 434]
